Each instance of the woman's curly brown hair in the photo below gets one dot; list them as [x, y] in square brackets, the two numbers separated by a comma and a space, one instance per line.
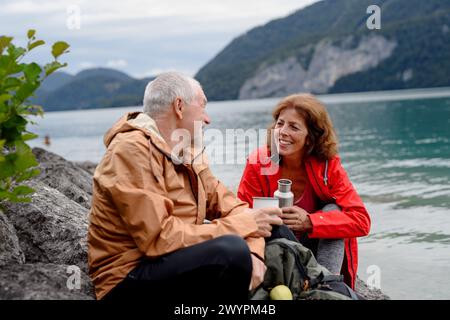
[321, 141]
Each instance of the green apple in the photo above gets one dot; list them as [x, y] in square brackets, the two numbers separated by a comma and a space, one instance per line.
[280, 292]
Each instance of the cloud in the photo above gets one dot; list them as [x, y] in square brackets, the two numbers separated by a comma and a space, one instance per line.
[86, 64]
[117, 64]
[145, 34]
[31, 7]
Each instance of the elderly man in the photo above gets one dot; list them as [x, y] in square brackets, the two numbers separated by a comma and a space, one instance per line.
[147, 237]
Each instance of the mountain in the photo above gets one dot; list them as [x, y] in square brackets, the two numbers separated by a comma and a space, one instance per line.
[327, 48]
[102, 72]
[90, 88]
[56, 80]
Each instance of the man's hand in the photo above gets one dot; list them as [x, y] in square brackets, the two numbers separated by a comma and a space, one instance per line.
[296, 219]
[258, 272]
[265, 218]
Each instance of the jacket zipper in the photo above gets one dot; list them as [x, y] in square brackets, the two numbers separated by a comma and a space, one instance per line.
[321, 195]
[268, 184]
[192, 176]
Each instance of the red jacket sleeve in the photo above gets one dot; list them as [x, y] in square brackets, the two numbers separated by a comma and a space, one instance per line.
[352, 220]
[250, 185]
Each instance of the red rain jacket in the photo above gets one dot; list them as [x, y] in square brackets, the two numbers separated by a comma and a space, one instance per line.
[332, 185]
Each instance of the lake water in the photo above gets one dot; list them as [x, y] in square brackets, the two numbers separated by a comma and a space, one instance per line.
[395, 146]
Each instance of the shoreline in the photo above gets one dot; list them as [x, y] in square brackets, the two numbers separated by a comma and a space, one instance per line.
[327, 98]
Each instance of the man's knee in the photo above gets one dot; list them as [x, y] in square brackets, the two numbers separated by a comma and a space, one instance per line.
[233, 250]
[281, 231]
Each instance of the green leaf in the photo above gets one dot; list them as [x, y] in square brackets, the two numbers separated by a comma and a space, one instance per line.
[22, 190]
[28, 174]
[59, 48]
[2, 143]
[3, 195]
[11, 82]
[35, 44]
[25, 91]
[4, 62]
[16, 52]
[52, 67]
[15, 122]
[3, 116]
[32, 71]
[15, 68]
[6, 168]
[22, 148]
[12, 197]
[5, 97]
[24, 163]
[22, 200]
[29, 136]
[31, 33]
[25, 157]
[4, 42]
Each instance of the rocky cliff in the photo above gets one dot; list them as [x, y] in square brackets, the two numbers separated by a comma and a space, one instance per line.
[43, 245]
[329, 63]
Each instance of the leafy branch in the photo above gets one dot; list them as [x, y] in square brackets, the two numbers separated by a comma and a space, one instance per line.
[18, 82]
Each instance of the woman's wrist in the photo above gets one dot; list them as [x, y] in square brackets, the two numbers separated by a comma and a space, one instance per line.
[307, 224]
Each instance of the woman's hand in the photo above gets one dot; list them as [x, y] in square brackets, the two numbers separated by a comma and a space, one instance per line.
[296, 219]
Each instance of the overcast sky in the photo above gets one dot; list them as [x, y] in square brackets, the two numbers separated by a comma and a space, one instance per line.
[139, 37]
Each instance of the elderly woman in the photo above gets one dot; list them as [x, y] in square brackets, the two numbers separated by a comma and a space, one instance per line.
[327, 214]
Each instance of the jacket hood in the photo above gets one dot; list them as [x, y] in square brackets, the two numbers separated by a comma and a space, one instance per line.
[144, 123]
[132, 121]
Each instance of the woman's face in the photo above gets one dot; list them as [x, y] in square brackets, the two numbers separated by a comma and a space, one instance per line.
[290, 133]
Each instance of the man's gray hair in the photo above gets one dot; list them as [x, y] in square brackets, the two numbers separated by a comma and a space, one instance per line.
[162, 91]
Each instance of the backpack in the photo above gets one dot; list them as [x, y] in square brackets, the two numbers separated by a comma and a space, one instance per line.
[292, 264]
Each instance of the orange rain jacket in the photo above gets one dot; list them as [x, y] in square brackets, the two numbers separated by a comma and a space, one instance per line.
[146, 205]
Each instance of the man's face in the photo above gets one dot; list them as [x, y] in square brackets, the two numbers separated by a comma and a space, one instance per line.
[195, 116]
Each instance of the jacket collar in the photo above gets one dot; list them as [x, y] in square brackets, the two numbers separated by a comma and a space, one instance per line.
[148, 126]
[266, 159]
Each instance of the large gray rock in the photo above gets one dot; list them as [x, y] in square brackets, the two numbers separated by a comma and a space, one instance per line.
[51, 228]
[10, 251]
[369, 294]
[64, 176]
[43, 282]
[88, 166]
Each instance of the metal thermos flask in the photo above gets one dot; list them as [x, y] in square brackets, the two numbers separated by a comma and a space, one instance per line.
[284, 193]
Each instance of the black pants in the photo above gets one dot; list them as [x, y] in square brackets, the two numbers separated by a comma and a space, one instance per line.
[283, 231]
[215, 270]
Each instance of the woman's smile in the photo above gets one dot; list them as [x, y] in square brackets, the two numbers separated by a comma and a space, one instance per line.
[290, 133]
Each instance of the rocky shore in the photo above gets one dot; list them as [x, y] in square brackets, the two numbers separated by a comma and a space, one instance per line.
[43, 244]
